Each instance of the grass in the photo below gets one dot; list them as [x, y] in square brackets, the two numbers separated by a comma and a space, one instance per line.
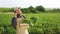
[44, 21]
[41, 18]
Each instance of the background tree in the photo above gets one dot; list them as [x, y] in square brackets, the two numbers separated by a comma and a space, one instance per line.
[32, 9]
[25, 10]
[40, 8]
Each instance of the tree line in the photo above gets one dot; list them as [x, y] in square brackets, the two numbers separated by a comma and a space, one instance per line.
[31, 9]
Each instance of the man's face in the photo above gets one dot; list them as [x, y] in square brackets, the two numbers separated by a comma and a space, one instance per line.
[17, 12]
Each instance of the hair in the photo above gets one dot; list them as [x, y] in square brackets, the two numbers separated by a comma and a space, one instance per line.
[19, 13]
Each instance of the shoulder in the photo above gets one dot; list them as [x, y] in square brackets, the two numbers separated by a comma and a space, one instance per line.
[14, 18]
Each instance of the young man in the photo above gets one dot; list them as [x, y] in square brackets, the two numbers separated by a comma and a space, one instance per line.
[18, 14]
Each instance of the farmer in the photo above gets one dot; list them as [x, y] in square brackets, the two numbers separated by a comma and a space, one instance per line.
[17, 14]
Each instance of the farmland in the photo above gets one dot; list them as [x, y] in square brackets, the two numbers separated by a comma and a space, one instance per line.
[48, 23]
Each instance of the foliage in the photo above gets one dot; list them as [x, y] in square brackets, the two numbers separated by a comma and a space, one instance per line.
[46, 23]
[25, 10]
[40, 8]
[6, 9]
[26, 21]
[31, 9]
[55, 10]
[33, 19]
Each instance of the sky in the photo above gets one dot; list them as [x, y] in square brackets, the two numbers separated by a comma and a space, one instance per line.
[27, 3]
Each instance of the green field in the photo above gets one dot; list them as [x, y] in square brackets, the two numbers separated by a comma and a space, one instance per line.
[41, 18]
[48, 23]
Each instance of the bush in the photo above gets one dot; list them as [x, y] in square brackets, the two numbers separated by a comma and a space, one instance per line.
[33, 20]
[35, 30]
[26, 21]
[2, 30]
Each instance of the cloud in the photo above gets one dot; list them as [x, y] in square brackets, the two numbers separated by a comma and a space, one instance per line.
[27, 3]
